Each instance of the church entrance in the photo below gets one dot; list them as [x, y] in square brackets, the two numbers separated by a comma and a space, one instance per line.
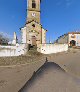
[72, 43]
[33, 40]
[33, 44]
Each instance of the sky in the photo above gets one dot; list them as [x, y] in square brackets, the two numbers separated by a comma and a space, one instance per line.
[57, 16]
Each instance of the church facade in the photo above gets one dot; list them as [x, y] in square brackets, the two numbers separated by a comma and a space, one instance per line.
[33, 33]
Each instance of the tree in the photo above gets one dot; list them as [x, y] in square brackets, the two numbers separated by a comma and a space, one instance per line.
[3, 40]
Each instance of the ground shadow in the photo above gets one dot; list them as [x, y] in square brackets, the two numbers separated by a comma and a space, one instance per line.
[38, 73]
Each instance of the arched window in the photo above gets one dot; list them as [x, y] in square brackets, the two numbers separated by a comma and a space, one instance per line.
[33, 4]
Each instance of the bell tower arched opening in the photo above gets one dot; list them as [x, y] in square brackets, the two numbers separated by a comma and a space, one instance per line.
[33, 4]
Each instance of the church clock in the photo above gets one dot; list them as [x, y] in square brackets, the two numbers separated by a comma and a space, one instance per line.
[33, 15]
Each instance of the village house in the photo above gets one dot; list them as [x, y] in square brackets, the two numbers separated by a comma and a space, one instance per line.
[71, 38]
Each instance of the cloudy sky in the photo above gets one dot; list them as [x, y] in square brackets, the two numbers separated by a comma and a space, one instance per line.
[57, 16]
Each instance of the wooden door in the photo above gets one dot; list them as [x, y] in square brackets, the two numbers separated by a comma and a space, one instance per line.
[33, 40]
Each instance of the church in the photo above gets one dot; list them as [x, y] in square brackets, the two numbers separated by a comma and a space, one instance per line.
[33, 33]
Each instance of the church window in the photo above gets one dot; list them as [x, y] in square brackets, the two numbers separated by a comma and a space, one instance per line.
[33, 25]
[33, 4]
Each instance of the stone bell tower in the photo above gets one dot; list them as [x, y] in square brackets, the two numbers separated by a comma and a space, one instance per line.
[33, 32]
[33, 10]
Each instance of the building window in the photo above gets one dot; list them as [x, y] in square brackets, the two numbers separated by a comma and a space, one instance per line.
[33, 25]
[33, 4]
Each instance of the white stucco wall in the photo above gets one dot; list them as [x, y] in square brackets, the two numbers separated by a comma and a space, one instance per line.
[19, 49]
[52, 48]
[78, 40]
[24, 35]
[75, 38]
[43, 36]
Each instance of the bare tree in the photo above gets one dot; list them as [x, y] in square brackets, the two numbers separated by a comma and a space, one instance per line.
[3, 40]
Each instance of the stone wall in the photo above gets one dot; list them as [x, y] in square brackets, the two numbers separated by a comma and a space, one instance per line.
[19, 49]
[52, 48]
[63, 39]
[33, 32]
[33, 13]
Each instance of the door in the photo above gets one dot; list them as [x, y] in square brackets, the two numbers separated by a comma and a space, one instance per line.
[33, 40]
[73, 43]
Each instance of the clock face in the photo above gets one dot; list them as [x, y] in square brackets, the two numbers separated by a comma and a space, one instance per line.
[33, 14]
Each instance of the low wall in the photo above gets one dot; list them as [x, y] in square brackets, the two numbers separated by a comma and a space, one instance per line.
[19, 49]
[52, 48]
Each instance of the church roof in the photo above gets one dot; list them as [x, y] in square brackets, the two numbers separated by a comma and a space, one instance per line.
[73, 32]
[33, 21]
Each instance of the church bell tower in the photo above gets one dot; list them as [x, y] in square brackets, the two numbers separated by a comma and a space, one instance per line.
[33, 32]
[33, 10]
